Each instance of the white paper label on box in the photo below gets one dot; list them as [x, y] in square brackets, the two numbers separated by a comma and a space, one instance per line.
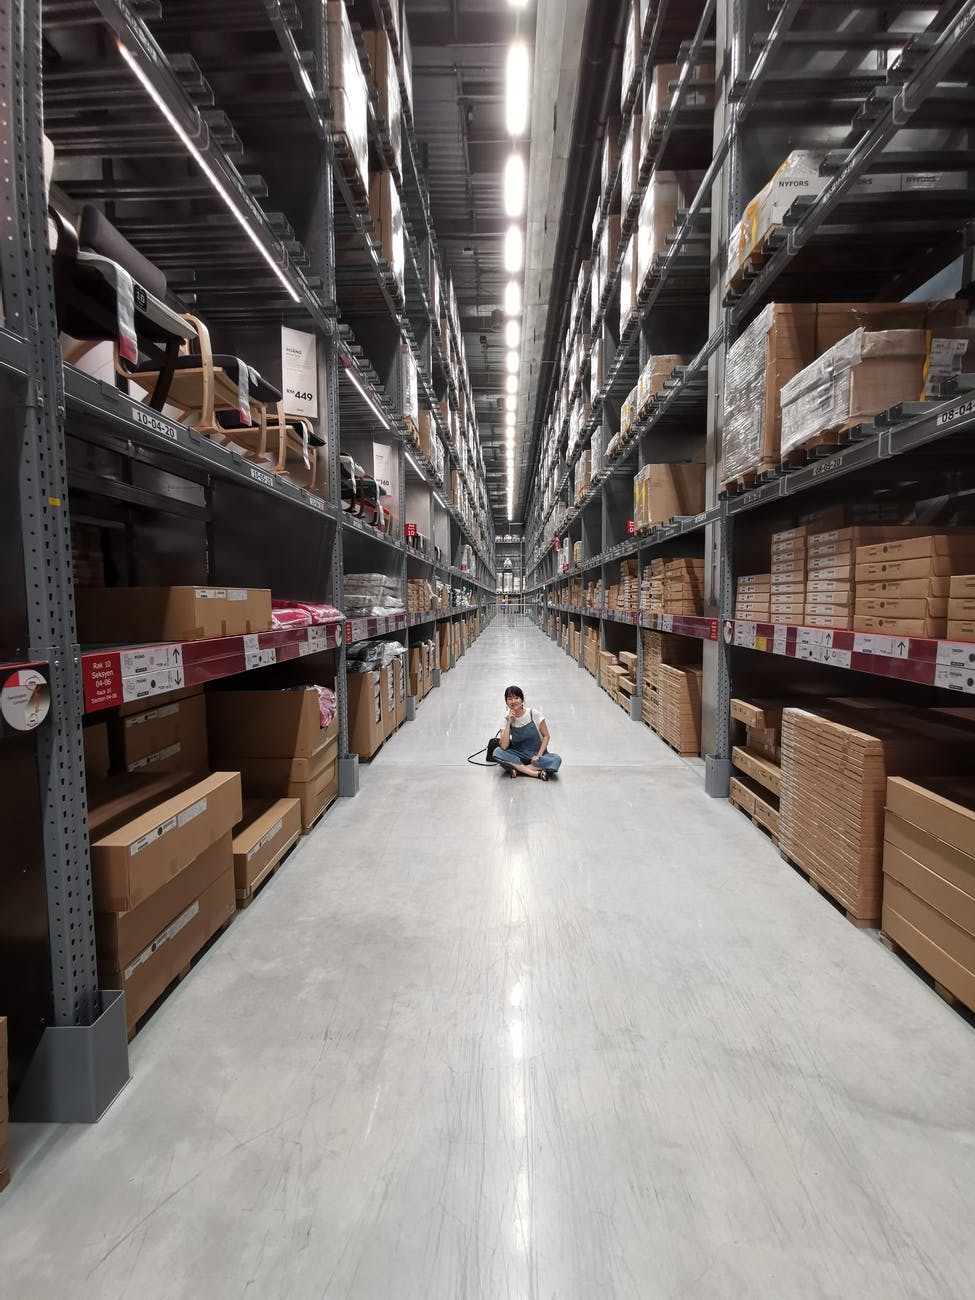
[150, 715]
[236, 593]
[150, 659]
[745, 634]
[956, 654]
[299, 372]
[955, 679]
[665, 622]
[169, 752]
[780, 640]
[265, 839]
[195, 810]
[211, 593]
[170, 932]
[149, 838]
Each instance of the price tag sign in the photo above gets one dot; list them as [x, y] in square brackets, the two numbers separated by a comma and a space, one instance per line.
[299, 371]
[254, 656]
[665, 622]
[780, 639]
[956, 654]
[409, 530]
[950, 678]
[745, 635]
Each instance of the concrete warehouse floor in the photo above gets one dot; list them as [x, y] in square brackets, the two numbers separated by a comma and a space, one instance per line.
[491, 1038]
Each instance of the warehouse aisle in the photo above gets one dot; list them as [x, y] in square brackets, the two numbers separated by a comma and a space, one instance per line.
[491, 1038]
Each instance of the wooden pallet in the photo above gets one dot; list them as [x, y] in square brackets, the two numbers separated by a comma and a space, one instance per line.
[681, 753]
[246, 896]
[861, 922]
[755, 819]
[178, 979]
[945, 994]
[318, 818]
[745, 482]
[346, 159]
[824, 443]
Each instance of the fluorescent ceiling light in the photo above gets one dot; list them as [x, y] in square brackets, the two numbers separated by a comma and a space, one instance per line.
[511, 403]
[437, 499]
[514, 186]
[514, 250]
[513, 363]
[517, 88]
[206, 169]
[512, 333]
[357, 383]
[511, 384]
[512, 298]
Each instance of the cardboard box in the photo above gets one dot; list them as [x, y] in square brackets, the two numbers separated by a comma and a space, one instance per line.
[838, 320]
[266, 831]
[905, 589]
[274, 775]
[143, 951]
[944, 812]
[347, 89]
[960, 630]
[944, 950]
[962, 586]
[954, 545]
[920, 627]
[316, 796]
[121, 798]
[387, 218]
[132, 863]
[95, 738]
[658, 215]
[267, 723]
[386, 82]
[133, 615]
[934, 566]
[933, 609]
[366, 713]
[164, 738]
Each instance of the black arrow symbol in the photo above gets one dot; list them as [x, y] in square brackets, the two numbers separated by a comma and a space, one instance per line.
[179, 679]
[901, 645]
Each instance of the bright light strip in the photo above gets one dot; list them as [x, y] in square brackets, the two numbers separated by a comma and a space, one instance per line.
[511, 403]
[512, 298]
[511, 384]
[510, 419]
[514, 186]
[514, 250]
[438, 500]
[512, 333]
[207, 170]
[513, 363]
[414, 464]
[354, 379]
[517, 88]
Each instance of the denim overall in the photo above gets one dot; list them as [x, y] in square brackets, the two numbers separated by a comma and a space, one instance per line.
[525, 743]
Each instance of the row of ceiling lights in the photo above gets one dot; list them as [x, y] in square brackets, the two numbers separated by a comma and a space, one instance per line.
[517, 97]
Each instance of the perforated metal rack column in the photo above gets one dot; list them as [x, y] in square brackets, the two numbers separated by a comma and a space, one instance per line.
[82, 1061]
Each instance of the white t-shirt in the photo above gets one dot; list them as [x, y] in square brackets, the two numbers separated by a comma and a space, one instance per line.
[530, 715]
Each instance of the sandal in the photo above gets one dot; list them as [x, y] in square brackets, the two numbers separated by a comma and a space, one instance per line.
[542, 776]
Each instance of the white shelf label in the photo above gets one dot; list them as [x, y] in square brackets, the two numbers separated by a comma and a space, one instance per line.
[150, 659]
[886, 647]
[745, 634]
[156, 682]
[810, 644]
[955, 679]
[956, 654]
[254, 656]
[665, 622]
[780, 639]
[838, 658]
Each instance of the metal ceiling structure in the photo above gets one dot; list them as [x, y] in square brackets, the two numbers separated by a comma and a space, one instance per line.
[459, 56]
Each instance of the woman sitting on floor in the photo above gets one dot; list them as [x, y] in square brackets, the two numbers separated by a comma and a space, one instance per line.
[523, 747]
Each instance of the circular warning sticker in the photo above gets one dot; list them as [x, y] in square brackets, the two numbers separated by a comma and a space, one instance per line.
[25, 699]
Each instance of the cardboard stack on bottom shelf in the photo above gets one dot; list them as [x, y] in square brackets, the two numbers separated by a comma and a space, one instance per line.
[835, 766]
[671, 702]
[617, 676]
[756, 786]
[423, 661]
[929, 879]
[590, 641]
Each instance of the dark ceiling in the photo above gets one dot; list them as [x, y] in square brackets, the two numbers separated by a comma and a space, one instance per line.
[459, 50]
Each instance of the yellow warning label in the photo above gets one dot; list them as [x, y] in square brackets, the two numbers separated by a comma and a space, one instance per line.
[54, 501]
[761, 643]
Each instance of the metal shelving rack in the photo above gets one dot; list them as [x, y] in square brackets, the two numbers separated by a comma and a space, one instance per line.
[84, 443]
[906, 111]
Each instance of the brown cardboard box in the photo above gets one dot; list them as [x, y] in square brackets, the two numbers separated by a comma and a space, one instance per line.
[918, 875]
[955, 545]
[925, 608]
[316, 796]
[266, 723]
[935, 628]
[158, 701]
[905, 588]
[946, 951]
[387, 699]
[386, 82]
[165, 947]
[763, 715]
[95, 737]
[164, 738]
[267, 829]
[116, 801]
[933, 566]
[960, 630]
[837, 320]
[944, 812]
[387, 218]
[962, 586]
[365, 713]
[673, 491]
[273, 775]
[132, 615]
[130, 864]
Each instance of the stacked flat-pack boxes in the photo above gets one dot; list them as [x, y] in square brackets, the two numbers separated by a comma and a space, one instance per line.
[756, 785]
[787, 590]
[590, 642]
[903, 585]
[168, 736]
[162, 885]
[629, 586]
[671, 695]
[835, 766]
[276, 740]
[753, 595]
[929, 879]
[683, 586]
[961, 607]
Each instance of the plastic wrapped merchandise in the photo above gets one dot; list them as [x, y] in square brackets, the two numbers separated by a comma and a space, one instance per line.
[596, 452]
[628, 414]
[772, 350]
[628, 302]
[631, 163]
[864, 373]
[656, 373]
[411, 399]
[386, 82]
[347, 89]
[658, 213]
[632, 46]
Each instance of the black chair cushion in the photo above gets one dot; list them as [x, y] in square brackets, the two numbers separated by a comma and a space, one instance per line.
[97, 234]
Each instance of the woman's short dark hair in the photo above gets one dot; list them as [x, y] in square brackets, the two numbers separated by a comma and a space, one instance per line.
[516, 691]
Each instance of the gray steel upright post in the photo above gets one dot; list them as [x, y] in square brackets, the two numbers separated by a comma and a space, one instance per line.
[81, 1063]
